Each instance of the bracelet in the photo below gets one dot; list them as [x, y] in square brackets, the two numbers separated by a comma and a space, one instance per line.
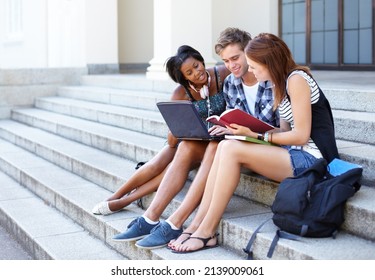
[266, 136]
[260, 136]
[270, 137]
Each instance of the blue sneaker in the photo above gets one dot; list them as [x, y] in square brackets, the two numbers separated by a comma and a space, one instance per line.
[159, 236]
[137, 229]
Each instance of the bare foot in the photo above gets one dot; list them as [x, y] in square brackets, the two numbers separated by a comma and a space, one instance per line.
[195, 243]
[175, 242]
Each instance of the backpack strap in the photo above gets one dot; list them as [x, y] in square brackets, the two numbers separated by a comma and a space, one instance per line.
[304, 230]
[283, 234]
[248, 250]
[280, 234]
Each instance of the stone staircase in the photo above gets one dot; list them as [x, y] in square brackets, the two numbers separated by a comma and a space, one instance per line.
[70, 151]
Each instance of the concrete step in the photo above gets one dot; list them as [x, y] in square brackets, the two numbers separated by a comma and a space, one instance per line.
[347, 123]
[141, 120]
[362, 154]
[126, 143]
[237, 231]
[111, 171]
[43, 230]
[77, 141]
[349, 99]
[355, 126]
[102, 168]
[116, 96]
[134, 82]
[342, 94]
[10, 247]
[140, 147]
[68, 193]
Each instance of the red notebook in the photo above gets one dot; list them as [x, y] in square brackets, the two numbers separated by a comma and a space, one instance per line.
[240, 117]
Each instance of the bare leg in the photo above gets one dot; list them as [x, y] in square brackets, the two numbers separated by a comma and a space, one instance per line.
[188, 155]
[145, 189]
[147, 178]
[207, 195]
[223, 180]
[194, 193]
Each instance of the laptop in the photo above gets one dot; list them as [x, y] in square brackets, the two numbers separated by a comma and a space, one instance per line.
[184, 121]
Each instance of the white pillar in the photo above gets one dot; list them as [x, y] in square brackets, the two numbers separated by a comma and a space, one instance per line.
[66, 33]
[101, 32]
[179, 23]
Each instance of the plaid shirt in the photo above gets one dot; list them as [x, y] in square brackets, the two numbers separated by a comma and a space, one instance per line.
[235, 98]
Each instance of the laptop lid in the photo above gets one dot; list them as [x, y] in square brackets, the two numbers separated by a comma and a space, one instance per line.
[184, 121]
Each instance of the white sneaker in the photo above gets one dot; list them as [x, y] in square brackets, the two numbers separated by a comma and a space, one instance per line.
[102, 208]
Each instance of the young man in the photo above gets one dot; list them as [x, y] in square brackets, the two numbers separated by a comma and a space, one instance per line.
[241, 90]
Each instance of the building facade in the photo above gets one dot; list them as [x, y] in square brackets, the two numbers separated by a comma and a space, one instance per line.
[127, 35]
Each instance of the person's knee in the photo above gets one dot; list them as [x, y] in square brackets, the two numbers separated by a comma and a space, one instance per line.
[154, 167]
[189, 151]
[230, 148]
[223, 145]
[187, 145]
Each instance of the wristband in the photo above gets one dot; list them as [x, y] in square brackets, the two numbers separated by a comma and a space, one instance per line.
[266, 136]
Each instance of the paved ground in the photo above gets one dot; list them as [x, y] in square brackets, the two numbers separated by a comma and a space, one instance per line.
[10, 249]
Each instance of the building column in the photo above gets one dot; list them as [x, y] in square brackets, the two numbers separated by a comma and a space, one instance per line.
[179, 23]
[102, 36]
[65, 33]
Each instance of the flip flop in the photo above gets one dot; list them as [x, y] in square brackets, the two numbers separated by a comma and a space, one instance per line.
[204, 247]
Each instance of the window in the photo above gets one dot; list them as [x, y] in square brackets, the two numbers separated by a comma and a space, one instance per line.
[324, 32]
[357, 31]
[329, 33]
[294, 27]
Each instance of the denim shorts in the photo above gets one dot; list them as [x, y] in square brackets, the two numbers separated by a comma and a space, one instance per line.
[300, 160]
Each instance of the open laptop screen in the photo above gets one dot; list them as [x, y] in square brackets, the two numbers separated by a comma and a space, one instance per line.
[184, 121]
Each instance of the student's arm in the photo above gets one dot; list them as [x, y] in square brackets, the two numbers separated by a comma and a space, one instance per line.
[300, 96]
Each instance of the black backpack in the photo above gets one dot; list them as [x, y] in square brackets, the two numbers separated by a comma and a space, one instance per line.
[311, 204]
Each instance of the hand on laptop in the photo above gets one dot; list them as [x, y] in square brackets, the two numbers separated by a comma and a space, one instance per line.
[219, 130]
